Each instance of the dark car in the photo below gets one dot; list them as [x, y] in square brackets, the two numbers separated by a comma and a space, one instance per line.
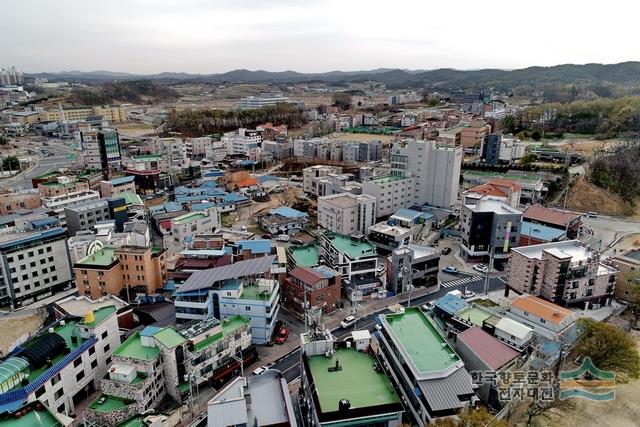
[297, 242]
[267, 236]
[446, 251]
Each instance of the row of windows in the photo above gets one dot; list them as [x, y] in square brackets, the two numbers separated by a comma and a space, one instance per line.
[30, 254]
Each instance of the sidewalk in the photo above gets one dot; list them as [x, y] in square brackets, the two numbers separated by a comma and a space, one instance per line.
[272, 354]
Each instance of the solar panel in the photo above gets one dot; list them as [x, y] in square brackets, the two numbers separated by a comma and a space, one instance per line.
[206, 278]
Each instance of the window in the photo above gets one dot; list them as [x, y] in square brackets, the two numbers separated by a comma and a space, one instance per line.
[55, 379]
[77, 362]
[60, 409]
[40, 251]
[39, 392]
[92, 350]
[32, 264]
[108, 360]
[104, 334]
[48, 248]
[107, 348]
[58, 394]
[80, 375]
[30, 254]
[94, 364]
[20, 257]
[247, 308]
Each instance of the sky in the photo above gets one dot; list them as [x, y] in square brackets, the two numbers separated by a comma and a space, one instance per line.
[213, 36]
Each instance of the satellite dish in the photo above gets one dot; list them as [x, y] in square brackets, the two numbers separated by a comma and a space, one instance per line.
[95, 247]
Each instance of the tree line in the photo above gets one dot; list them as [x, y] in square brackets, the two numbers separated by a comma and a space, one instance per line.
[617, 170]
[135, 91]
[206, 121]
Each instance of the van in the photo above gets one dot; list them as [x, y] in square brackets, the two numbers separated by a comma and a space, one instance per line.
[591, 214]
[283, 238]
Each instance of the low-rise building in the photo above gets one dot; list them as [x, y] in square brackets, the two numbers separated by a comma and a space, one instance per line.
[58, 203]
[412, 265]
[244, 287]
[545, 318]
[116, 270]
[489, 228]
[430, 375]
[183, 227]
[117, 185]
[567, 221]
[506, 191]
[531, 184]
[356, 259]
[535, 234]
[402, 228]
[84, 216]
[566, 273]
[242, 141]
[62, 363]
[628, 265]
[11, 203]
[317, 171]
[284, 220]
[35, 264]
[319, 286]
[346, 213]
[303, 256]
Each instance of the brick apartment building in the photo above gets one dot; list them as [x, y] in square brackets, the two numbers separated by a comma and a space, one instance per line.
[321, 284]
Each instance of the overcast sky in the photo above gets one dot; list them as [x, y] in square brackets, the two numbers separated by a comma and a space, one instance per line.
[211, 36]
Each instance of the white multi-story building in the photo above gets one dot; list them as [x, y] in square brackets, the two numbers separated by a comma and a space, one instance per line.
[391, 192]
[308, 175]
[189, 224]
[265, 99]
[347, 213]
[34, 265]
[197, 146]
[436, 169]
[242, 141]
[216, 151]
[59, 364]
[59, 203]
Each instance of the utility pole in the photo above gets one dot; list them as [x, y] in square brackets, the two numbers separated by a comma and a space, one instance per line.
[486, 274]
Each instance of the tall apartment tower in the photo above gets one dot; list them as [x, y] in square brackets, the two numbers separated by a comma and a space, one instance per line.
[435, 168]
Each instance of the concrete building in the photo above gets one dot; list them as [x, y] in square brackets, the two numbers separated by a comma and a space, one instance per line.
[402, 228]
[101, 150]
[62, 364]
[503, 190]
[109, 113]
[262, 400]
[284, 220]
[433, 383]
[361, 152]
[246, 287]
[279, 150]
[566, 273]
[347, 213]
[61, 185]
[122, 271]
[628, 265]
[216, 151]
[335, 184]
[84, 216]
[242, 141]
[412, 266]
[157, 362]
[308, 175]
[184, 226]
[117, 186]
[343, 383]
[545, 318]
[58, 203]
[531, 184]
[34, 265]
[391, 193]
[512, 149]
[489, 227]
[356, 259]
[319, 286]
[490, 151]
[434, 168]
[567, 221]
[14, 202]
[265, 99]
[471, 136]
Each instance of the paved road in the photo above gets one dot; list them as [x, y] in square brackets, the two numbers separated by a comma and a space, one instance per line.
[61, 158]
[289, 364]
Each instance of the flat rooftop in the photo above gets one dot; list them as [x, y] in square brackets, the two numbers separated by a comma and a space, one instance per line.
[387, 179]
[490, 205]
[357, 382]
[134, 349]
[43, 417]
[427, 349]
[565, 249]
[184, 219]
[305, 256]
[343, 200]
[351, 247]
[110, 403]
[103, 257]
[474, 315]
[229, 326]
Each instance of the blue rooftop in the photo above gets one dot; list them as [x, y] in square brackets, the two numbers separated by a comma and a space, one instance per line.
[287, 212]
[149, 331]
[539, 231]
[172, 207]
[202, 206]
[261, 246]
[44, 222]
[265, 178]
[234, 197]
[410, 215]
[123, 180]
[324, 270]
[450, 304]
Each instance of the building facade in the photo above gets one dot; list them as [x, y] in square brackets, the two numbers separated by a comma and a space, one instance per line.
[347, 213]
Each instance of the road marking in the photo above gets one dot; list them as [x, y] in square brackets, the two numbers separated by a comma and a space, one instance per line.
[459, 282]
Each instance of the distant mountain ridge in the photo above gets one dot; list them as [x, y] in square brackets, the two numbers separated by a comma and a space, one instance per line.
[621, 74]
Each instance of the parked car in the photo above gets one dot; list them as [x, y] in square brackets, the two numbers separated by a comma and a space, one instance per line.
[427, 306]
[282, 336]
[450, 269]
[468, 294]
[591, 214]
[283, 238]
[481, 268]
[348, 321]
[259, 370]
[297, 242]
[267, 236]
[446, 251]
[380, 268]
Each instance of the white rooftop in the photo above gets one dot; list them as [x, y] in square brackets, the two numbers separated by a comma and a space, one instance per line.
[566, 249]
[486, 204]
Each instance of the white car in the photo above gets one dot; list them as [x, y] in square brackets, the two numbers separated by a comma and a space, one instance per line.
[348, 321]
[260, 370]
[468, 294]
[481, 268]
[427, 307]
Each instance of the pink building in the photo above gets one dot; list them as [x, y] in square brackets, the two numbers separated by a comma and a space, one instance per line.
[565, 273]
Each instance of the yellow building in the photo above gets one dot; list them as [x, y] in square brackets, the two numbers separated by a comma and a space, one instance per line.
[112, 113]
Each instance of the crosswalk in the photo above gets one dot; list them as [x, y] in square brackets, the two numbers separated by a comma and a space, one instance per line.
[460, 282]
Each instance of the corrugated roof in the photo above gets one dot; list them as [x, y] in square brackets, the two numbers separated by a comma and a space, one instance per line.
[539, 231]
[12, 367]
[123, 180]
[514, 328]
[490, 350]
[442, 393]
[287, 212]
[260, 246]
[550, 216]
[544, 309]
[451, 304]
[307, 275]
[207, 278]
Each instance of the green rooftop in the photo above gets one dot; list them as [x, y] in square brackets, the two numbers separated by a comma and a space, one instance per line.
[357, 382]
[502, 175]
[110, 403]
[304, 256]
[169, 337]
[474, 315]
[33, 418]
[351, 247]
[104, 257]
[229, 325]
[47, 175]
[134, 349]
[129, 198]
[251, 292]
[146, 157]
[427, 349]
[135, 421]
[186, 218]
[100, 315]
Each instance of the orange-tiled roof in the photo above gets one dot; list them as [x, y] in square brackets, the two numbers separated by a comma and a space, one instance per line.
[488, 190]
[543, 309]
[247, 182]
[505, 183]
